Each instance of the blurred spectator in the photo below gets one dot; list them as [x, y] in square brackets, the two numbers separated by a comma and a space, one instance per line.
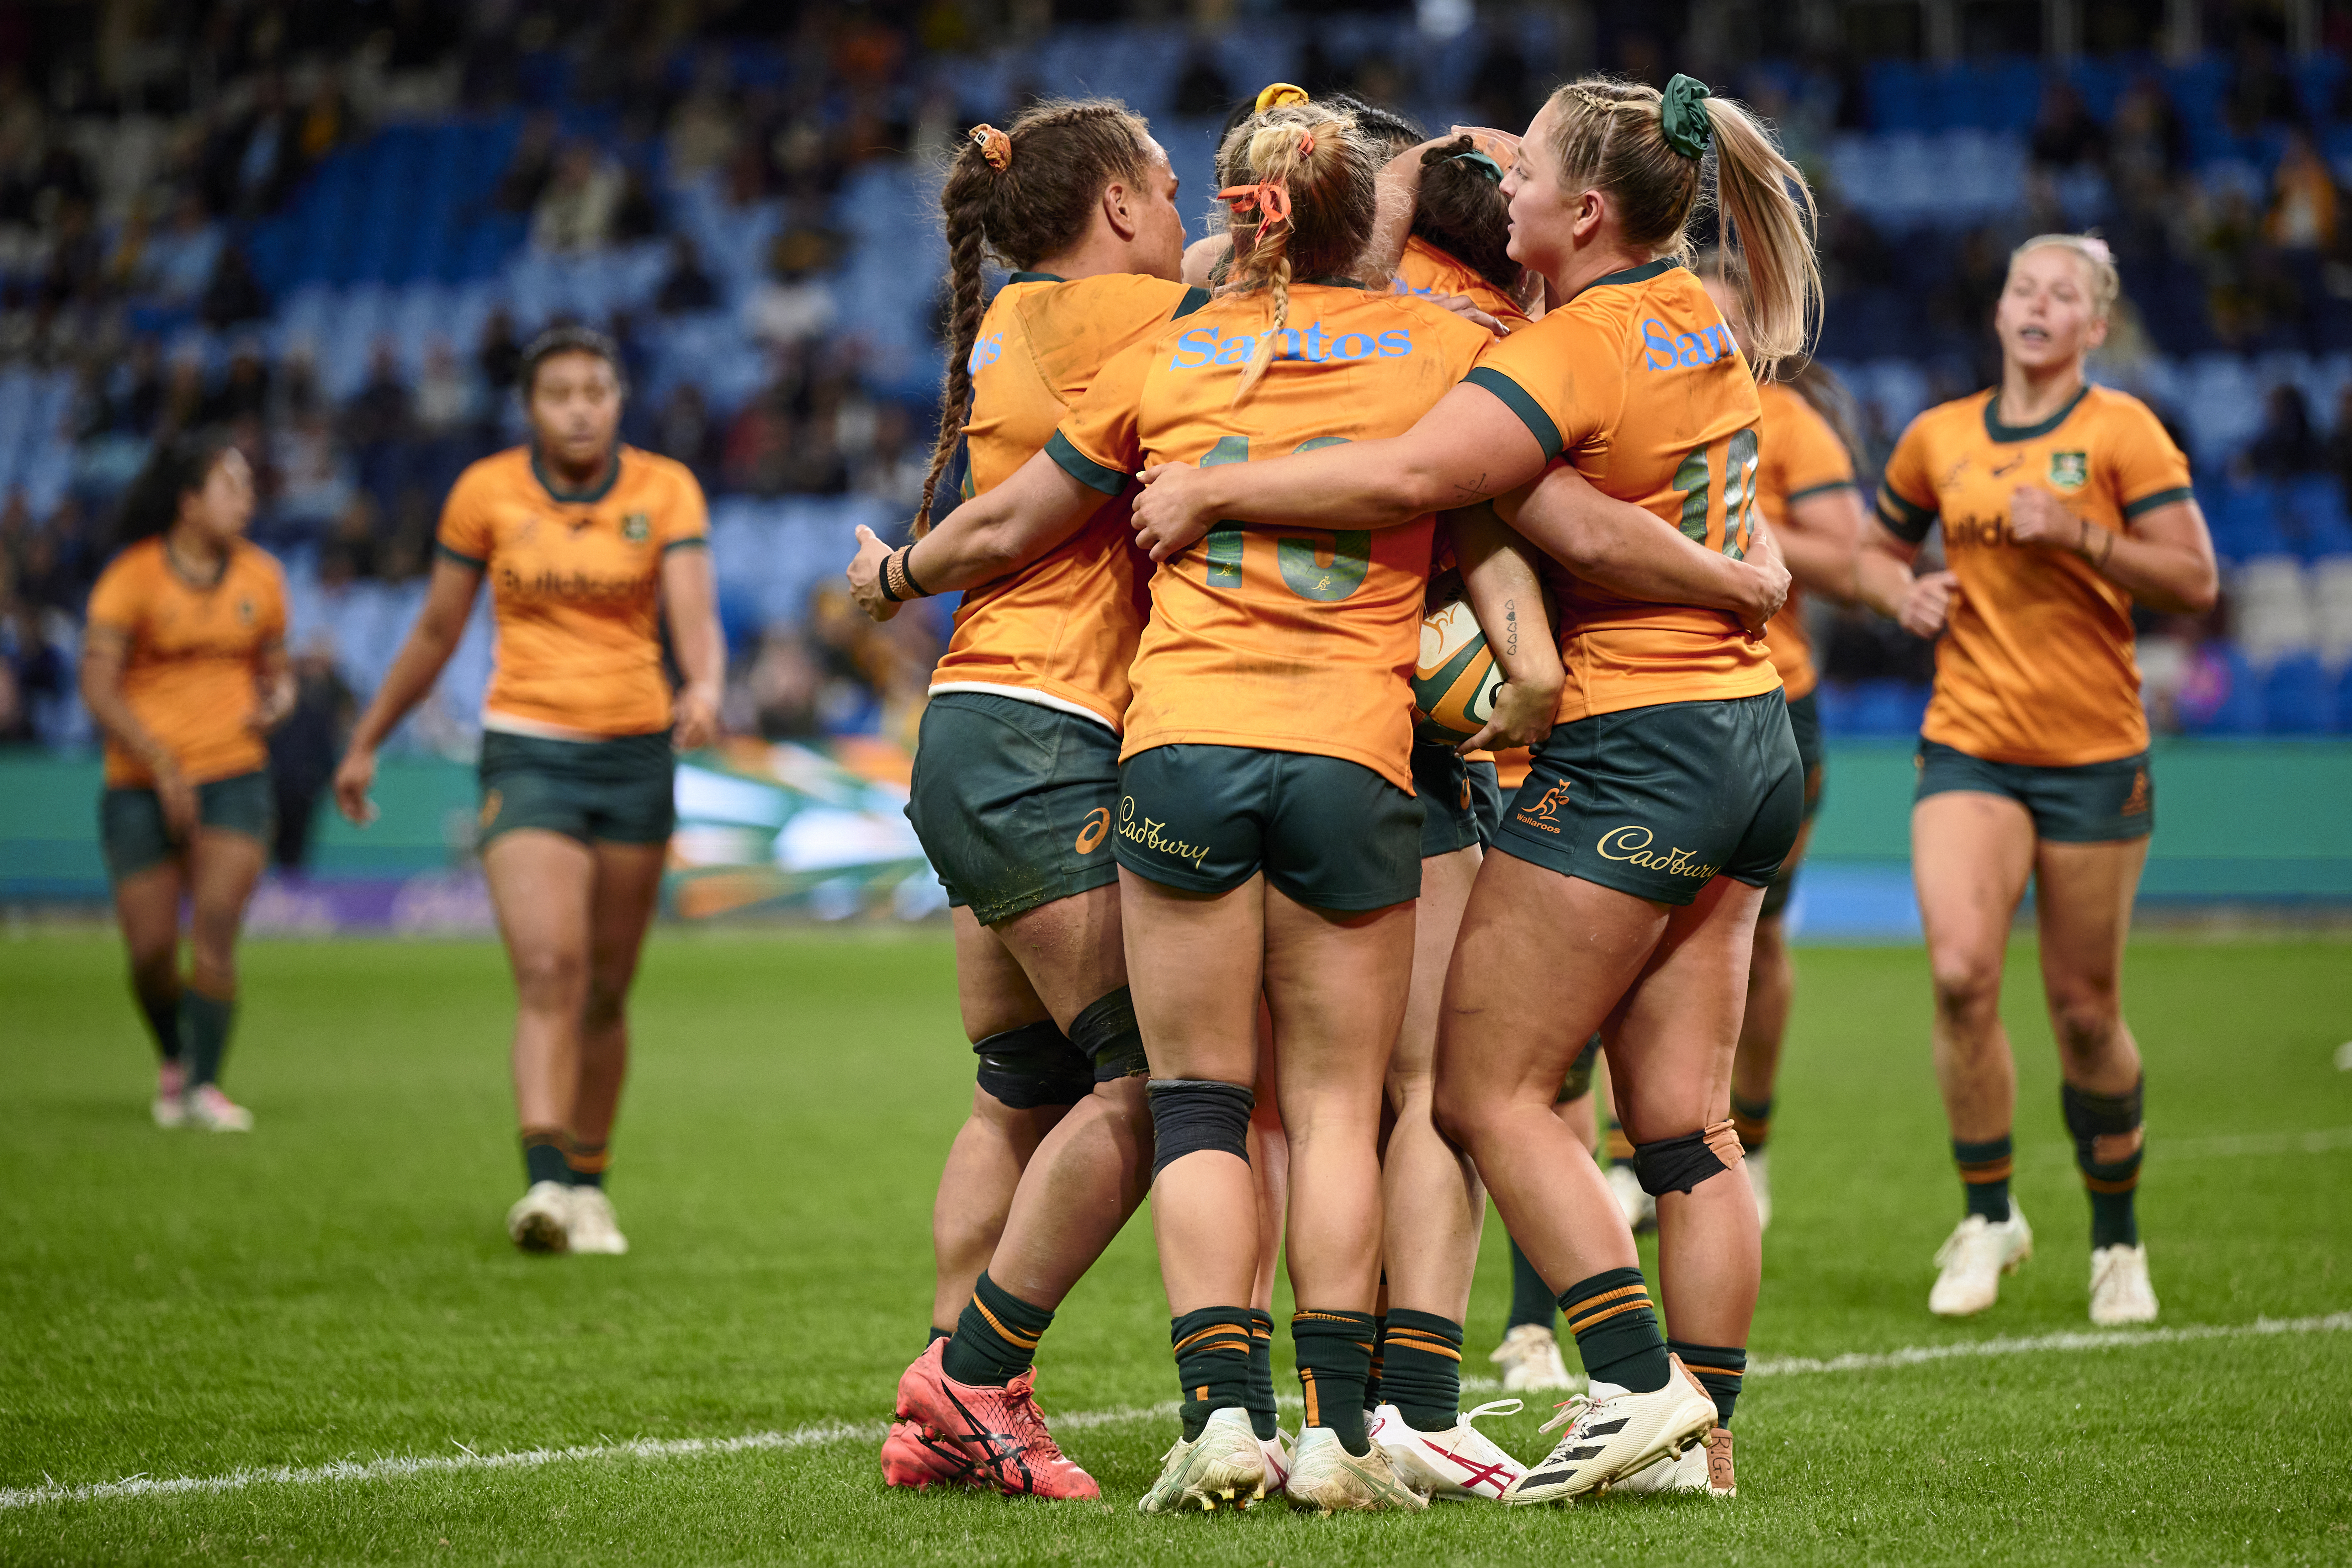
[2303, 199]
[313, 486]
[2146, 145]
[702, 129]
[244, 392]
[303, 750]
[893, 466]
[234, 294]
[684, 430]
[2065, 134]
[176, 265]
[445, 393]
[530, 167]
[500, 355]
[688, 288]
[380, 411]
[2260, 93]
[2284, 446]
[793, 305]
[575, 211]
[783, 685]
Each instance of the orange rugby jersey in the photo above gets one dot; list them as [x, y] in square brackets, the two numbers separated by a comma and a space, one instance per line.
[1288, 639]
[1638, 383]
[1802, 457]
[2036, 663]
[193, 658]
[1064, 626]
[1433, 274]
[575, 588]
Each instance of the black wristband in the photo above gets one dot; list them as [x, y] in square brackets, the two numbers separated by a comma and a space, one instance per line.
[907, 570]
[882, 578]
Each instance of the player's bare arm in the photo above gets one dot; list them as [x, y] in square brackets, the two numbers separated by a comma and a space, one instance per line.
[989, 536]
[1505, 592]
[1633, 550]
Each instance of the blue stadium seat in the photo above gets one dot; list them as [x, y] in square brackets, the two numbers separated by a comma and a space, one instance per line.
[2297, 698]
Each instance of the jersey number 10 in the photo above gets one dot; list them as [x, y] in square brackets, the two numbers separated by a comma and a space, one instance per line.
[1696, 479]
[1351, 548]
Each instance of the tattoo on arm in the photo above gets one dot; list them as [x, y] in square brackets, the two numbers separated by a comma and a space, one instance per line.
[1472, 492]
[1510, 628]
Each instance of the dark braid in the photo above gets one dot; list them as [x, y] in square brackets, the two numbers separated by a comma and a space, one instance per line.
[1462, 214]
[1040, 203]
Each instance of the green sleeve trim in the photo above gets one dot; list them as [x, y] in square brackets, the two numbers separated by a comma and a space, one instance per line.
[1810, 491]
[699, 542]
[1906, 519]
[1192, 300]
[1083, 468]
[2161, 498]
[1517, 400]
[445, 553]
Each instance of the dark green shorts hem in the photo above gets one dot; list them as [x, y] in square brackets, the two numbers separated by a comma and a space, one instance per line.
[2096, 803]
[1012, 801]
[617, 791]
[1657, 802]
[1448, 789]
[1805, 724]
[1328, 832]
[133, 837]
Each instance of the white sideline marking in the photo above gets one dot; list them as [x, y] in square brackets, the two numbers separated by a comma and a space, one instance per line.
[824, 1433]
[2326, 1139]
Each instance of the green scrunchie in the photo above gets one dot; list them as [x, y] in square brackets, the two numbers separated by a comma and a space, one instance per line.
[1484, 167]
[1683, 117]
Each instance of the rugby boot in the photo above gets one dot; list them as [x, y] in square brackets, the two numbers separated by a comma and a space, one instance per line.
[1000, 1430]
[912, 1458]
[1974, 1258]
[1615, 1433]
[1225, 1466]
[1453, 1464]
[2120, 1291]
[1529, 1357]
[1328, 1478]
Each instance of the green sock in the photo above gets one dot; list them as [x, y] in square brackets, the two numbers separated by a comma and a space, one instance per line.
[583, 1163]
[1335, 1358]
[938, 1334]
[1531, 1300]
[542, 1156]
[1720, 1368]
[1212, 1362]
[1984, 1173]
[1421, 1368]
[1262, 1408]
[1616, 1329]
[163, 1023]
[996, 1339]
[1752, 1120]
[1373, 1379]
[206, 1019]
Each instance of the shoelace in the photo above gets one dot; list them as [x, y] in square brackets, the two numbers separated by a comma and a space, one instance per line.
[1572, 1409]
[1494, 1407]
[1961, 1238]
[1028, 1422]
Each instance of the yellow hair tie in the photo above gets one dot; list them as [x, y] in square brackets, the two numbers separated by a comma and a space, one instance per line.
[1278, 94]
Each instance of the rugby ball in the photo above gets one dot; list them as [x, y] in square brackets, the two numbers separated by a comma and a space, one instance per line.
[1454, 681]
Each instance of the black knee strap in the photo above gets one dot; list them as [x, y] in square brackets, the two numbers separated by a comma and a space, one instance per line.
[1189, 1114]
[1031, 1066]
[1678, 1164]
[1579, 1082]
[1108, 1033]
[2091, 1117]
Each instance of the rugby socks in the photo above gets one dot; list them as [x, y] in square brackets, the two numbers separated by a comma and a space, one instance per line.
[583, 1163]
[542, 1156]
[1212, 1362]
[1984, 1173]
[938, 1334]
[1380, 1348]
[1421, 1368]
[996, 1339]
[1719, 1367]
[1531, 1298]
[1752, 1120]
[163, 1022]
[1261, 1374]
[2112, 1184]
[205, 1020]
[1616, 1330]
[1335, 1360]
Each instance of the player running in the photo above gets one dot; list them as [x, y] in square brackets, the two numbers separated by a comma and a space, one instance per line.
[2062, 504]
[184, 668]
[1805, 490]
[1632, 863]
[1016, 779]
[587, 545]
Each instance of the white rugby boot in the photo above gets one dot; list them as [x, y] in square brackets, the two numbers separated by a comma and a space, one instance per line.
[1759, 1182]
[1224, 1466]
[1453, 1464]
[541, 1220]
[1974, 1258]
[1530, 1359]
[1615, 1433]
[2120, 1291]
[1277, 1461]
[170, 1107]
[1328, 1478]
[591, 1226]
[1640, 1210]
[209, 1110]
[1704, 1466]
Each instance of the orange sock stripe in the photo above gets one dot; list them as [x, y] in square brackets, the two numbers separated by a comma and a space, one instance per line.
[1427, 1343]
[1577, 1325]
[1719, 1371]
[2100, 1184]
[1985, 1171]
[1214, 1332]
[1314, 1406]
[1012, 1336]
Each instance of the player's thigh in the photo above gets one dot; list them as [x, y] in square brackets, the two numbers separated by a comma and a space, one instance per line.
[2082, 902]
[1336, 984]
[542, 887]
[1670, 1048]
[147, 907]
[224, 865]
[1971, 852]
[1195, 961]
[627, 889]
[992, 989]
[1446, 883]
[1072, 950]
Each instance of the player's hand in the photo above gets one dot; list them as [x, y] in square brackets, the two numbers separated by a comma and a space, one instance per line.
[865, 575]
[1766, 584]
[272, 710]
[1523, 716]
[179, 801]
[354, 778]
[697, 724]
[2037, 516]
[1929, 603]
[1172, 512]
[1462, 306]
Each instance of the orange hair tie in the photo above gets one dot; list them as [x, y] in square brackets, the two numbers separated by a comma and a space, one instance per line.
[1307, 143]
[995, 145]
[1268, 196]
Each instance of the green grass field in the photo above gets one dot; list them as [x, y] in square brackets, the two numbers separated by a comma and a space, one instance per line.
[336, 1288]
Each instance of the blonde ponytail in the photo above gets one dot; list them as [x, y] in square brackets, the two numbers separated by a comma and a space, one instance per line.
[1768, 216]
[1300, 181]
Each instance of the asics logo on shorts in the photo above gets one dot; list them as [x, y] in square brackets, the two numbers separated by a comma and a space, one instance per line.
[1144, 833]
[1632, 842]
[1090, 837]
